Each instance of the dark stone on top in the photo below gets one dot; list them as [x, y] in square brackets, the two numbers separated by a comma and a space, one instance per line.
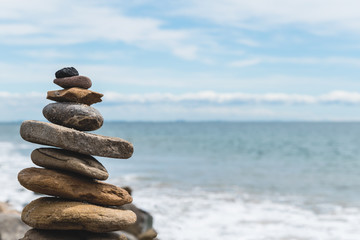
[66, 72]
[74, 81]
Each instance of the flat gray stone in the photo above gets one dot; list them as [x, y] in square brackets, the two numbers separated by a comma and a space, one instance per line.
[74, 140]
[55, 158]
[74, 115]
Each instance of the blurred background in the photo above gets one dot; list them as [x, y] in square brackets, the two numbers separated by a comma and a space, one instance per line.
[244, 114]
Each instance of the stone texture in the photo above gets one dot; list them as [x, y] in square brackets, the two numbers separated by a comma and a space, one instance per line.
[66, 72]
[73, 140]
[74, 115]
[54, 158]
[148, 235]
[77, 95]
[75, 81]
[60, 214]
[143, 225]
[70, 186]
[38, 234]
[11, 226]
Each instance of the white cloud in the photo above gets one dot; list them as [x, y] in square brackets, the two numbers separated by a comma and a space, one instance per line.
[203, 97]
[248, 42]
[210, 97]
[48, 54]
[245, 62]
[206, 105]
[340, 97]
[296, 60]
[320, 15]
[72, 22]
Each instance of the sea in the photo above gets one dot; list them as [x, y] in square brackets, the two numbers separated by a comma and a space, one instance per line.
[226, 180]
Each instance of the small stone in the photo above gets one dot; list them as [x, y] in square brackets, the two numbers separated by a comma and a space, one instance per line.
[144, 222]
[74, 140]
[66, 72]
[60, 214]
[54, 158]
[38, 234]
[75, 81]
[148, 235]
[77, 95]
[74, 115]
[70, 186]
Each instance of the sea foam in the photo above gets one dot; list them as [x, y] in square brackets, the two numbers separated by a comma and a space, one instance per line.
[201, 215]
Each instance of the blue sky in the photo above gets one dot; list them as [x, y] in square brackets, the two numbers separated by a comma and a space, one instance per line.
[186, 60]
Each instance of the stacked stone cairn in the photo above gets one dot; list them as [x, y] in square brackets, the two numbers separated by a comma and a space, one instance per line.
[81, 205]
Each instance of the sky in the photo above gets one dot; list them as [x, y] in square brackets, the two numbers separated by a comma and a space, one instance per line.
[192, 60]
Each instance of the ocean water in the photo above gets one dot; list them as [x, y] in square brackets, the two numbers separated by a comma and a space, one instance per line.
[231, 181]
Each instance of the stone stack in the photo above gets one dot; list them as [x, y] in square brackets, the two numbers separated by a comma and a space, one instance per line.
[80, 203]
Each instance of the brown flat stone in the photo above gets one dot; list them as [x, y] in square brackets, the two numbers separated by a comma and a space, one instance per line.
[75, 94]
[70, 186]
[55, 158]
[38, 234]
[74, 81]
[74, 115]
[74, 140]
[59, 214]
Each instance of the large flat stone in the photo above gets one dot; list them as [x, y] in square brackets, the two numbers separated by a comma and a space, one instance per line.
[74, 115]
[38, 234]
[75, 94]
[70, 186]
[55, 158]
[74, 140]
[59, 214]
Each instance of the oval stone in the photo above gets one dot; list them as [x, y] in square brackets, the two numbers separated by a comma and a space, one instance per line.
[55, 158]
[74, 140]
[61, 214]
[74, 81]
[74, 115]
[70, 186]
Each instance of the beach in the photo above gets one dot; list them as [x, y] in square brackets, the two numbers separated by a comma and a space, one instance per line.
[228, 180]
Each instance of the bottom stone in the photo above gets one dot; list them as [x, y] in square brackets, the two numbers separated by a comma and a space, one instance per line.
[37, 234]
[60, 214]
